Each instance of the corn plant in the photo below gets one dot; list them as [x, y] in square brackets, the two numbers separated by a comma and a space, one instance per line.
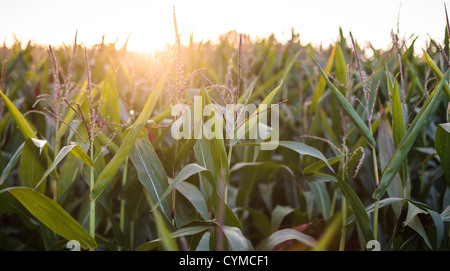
[88, 156]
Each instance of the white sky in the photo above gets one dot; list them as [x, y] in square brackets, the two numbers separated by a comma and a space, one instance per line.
[151, 25]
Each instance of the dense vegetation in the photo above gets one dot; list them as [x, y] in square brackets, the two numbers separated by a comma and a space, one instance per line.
[87, 152]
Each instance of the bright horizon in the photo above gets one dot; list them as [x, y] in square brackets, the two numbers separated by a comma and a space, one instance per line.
[150, 23]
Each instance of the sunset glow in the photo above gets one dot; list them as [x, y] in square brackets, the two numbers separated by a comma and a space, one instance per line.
[150, 23]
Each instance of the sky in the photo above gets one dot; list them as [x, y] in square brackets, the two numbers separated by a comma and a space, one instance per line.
[150, 23]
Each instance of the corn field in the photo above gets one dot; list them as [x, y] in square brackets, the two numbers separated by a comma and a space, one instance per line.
[362, 161]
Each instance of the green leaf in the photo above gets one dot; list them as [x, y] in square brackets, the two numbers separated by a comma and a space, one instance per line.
[252, 122]
[360, 213]
[76, 150]
[287, 70]
[321, 177]
[437, 73]
[442, 146]
[110, 109]
[397, 116]
[313, 168]
[52, 215]
[79, 153]
[341, 76]
[407, 141]
[439, 225]
[278, 214]
[8, 203]
[11, 164]
[4, 121]
[341, 69]
[409, 52]
[261, 221]
[217, 145]
[382, 203]
[164, 234]
[236, 239]
[183, 175]
[321, 198]
[236, 167]
[151, 172]
[211, 182]
[318, 91]
[345, 104]
[446, 214]
[413, 221]
[161, 227]
[203, 244]
[108, 173]
[398, 125]
[192, 228]
[25, 127]
[281, 236]
[32, 164]
[330, 234]
[300, 148]
[386, 148]
[195, 197]
[186, 148]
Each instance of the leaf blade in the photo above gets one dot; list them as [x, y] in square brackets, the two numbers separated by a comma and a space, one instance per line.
[407, 141]
[53, 216]
[107, 174]
[360, 125]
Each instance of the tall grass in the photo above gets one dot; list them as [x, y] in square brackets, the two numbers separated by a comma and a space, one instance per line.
[87, 152]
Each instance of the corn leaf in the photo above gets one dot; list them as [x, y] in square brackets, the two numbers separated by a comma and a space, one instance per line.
[108, 173]
[32, 163]
[151, 172]
[398, 126]
[184, 174]
[320, 88]
[195, 197]
[236, 239]
[11, 164]
[407, 141]
[195, 227]
[281, 236]
[437, 73]
[110, 94]
[313, 168]
[345, 104]
[361, 216]
[52, 215]
[442, 146]
[252, 121]
[278, 214]
[76, 150]
[386, 148]
[302, 149]
[25, 127]
[321, 198]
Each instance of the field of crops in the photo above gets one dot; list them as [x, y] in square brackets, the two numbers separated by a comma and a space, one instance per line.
[362, 162]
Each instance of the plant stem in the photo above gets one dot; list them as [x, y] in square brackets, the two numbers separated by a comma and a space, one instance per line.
[92, 201]
[174, 191]
[132, 234]
[344, 219]
[333, 203]
[344, 213]
[122, 200]
[56, 150]
[377, 182]
[230, 151]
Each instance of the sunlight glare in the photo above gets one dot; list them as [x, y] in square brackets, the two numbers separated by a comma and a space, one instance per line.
[150, 23]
